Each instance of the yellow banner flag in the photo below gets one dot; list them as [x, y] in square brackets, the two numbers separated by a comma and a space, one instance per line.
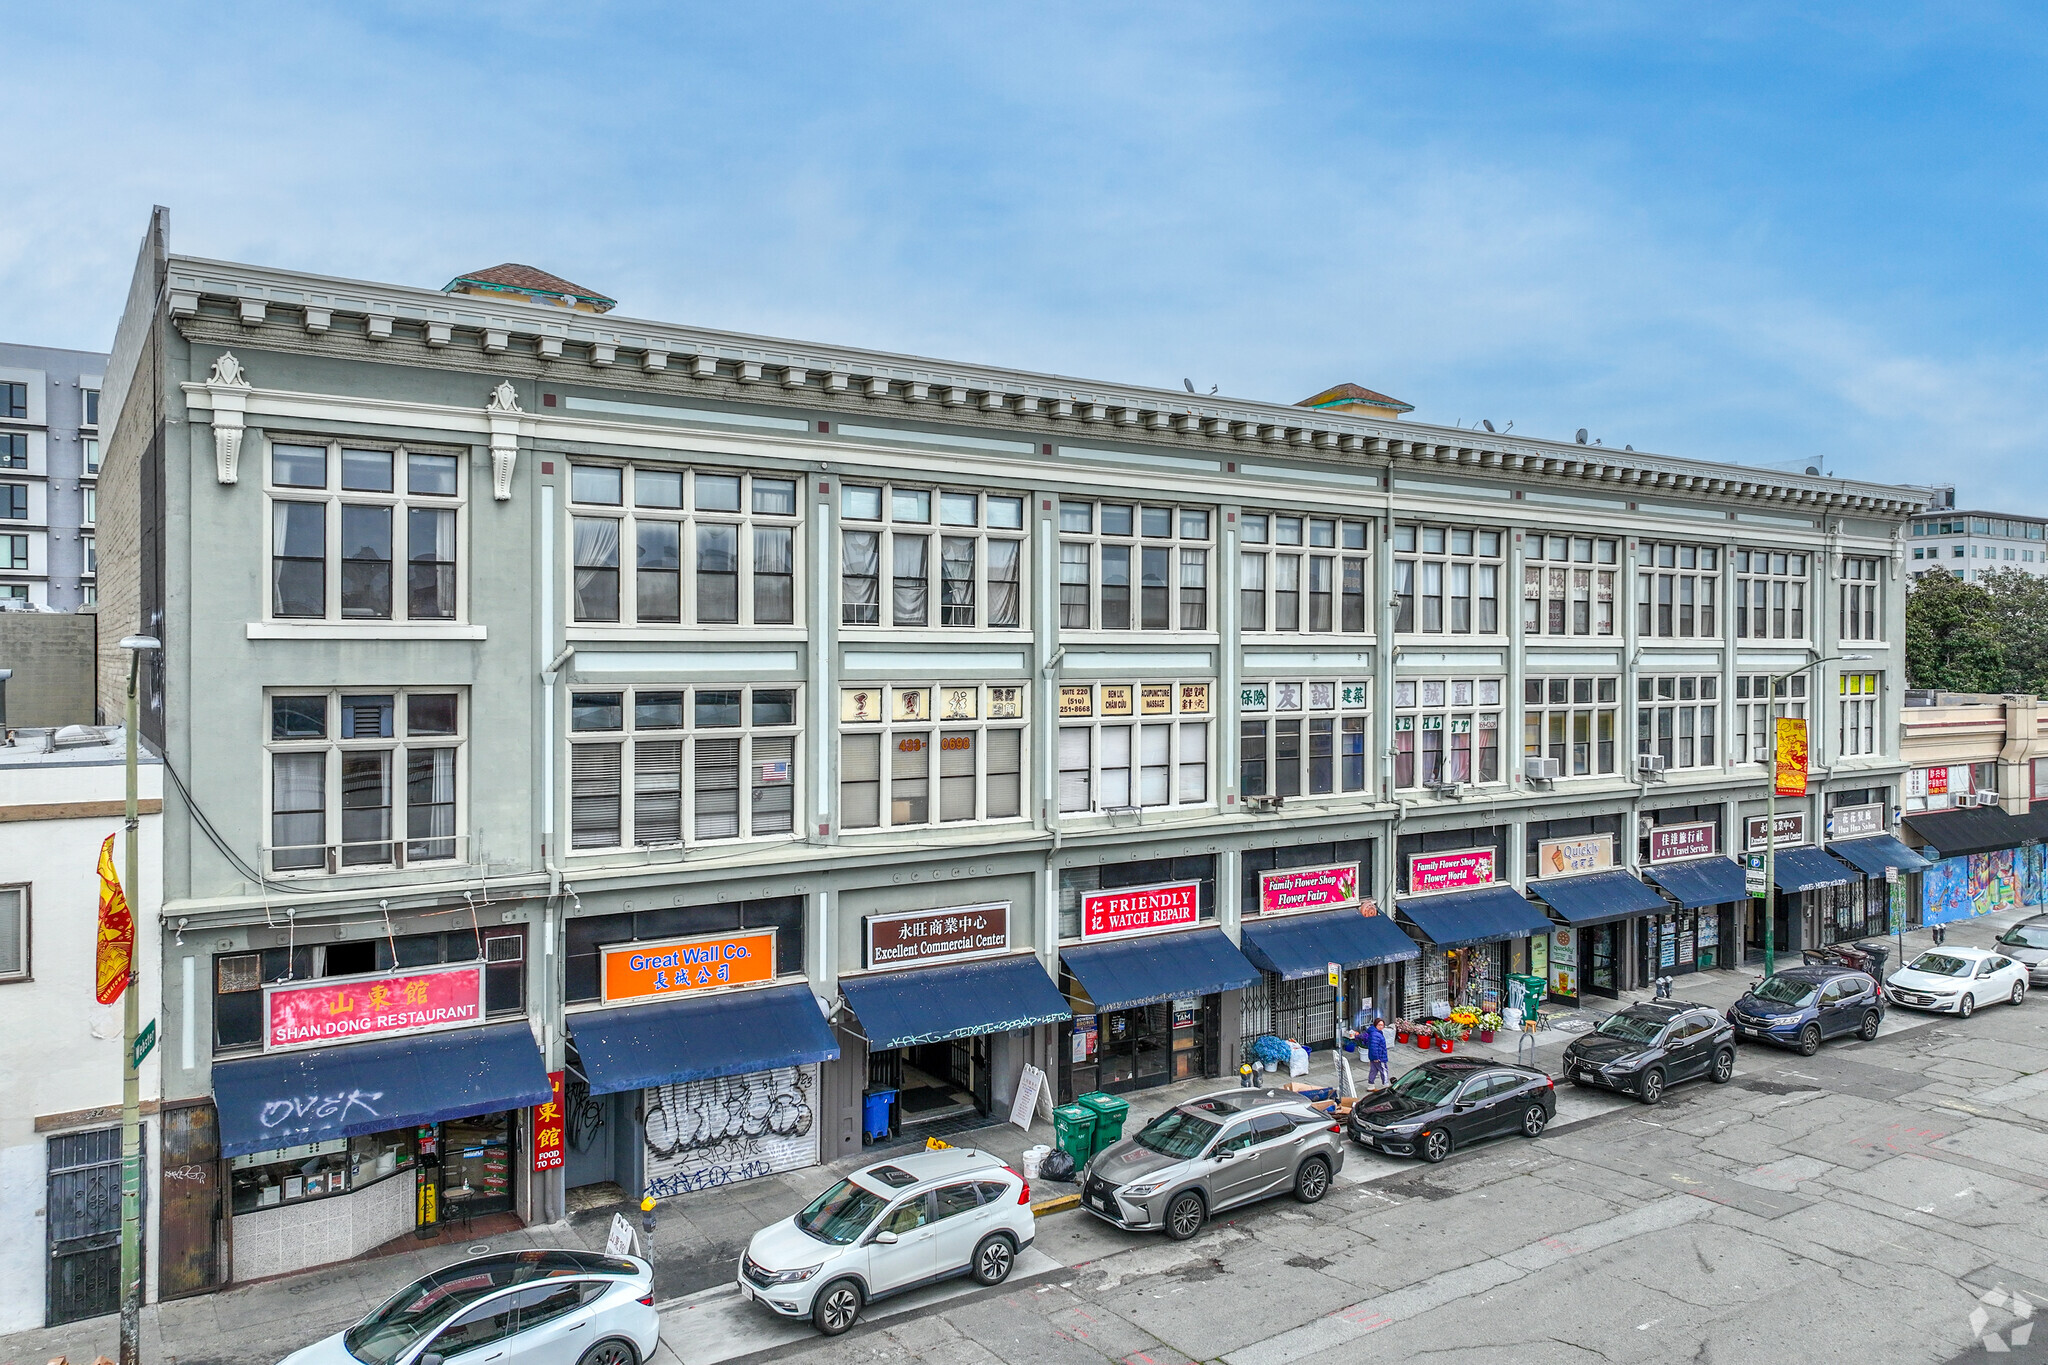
[1791, 756]
[117, 931]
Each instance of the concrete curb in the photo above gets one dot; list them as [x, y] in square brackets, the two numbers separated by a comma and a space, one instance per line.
[1059, 1203]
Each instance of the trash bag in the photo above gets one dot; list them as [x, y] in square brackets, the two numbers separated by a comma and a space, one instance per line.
[1271, 1052]
[1297, 1059]
[1056, 1166]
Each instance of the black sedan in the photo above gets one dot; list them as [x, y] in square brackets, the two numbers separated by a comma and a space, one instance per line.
[1444, 1104]
[1644, 1048]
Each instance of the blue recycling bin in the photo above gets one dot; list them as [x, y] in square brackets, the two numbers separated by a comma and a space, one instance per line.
[875, 1114]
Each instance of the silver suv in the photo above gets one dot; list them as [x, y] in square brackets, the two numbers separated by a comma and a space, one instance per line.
[1211, 1154]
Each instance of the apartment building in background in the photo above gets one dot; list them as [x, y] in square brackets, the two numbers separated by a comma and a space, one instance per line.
[1972, 544]
[49, 475]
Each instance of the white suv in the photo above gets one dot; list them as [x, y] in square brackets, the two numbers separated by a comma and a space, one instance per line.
[891, 1227]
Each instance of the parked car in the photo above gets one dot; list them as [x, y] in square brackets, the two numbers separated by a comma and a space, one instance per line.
[1957, 980]
[890, 1227]
[531, 1307]
[1210, 1154]
[1647, 1047]
[2027, 943]
[1442, 1105]
[1802, 1006]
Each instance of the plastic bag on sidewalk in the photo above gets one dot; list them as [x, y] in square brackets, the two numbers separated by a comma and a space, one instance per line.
[1297, 1059]
[1056, 1166]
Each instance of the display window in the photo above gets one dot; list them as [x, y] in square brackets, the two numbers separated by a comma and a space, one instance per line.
[315, 1170]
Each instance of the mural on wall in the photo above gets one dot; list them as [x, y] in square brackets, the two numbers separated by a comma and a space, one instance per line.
[1982, 883]
[703, 1134]
[2033, 872]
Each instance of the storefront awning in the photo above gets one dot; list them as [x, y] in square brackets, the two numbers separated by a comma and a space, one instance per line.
[1873, 855]
[1140, 971]
[725, 1033]
[1598, 897]
[934, 1004]
[1297, 946]
[1701, 881]
[1489, 913]
[284, 1099]
[1805, 868]
[1983, 829]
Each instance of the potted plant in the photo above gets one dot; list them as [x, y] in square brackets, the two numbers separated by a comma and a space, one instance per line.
[1446, 1031]
[1425, 1034]
[1465, 1020]
[1400, 1030]
[1489, 1024]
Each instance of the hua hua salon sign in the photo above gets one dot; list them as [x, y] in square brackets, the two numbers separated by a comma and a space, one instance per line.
[1140, 908]
[643, 971]
[1308, 888]
[341, 1010]
[1450, 871]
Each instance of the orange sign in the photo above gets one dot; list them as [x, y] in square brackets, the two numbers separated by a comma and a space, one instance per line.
[1791, 756]
[116, 953]
[640, 971]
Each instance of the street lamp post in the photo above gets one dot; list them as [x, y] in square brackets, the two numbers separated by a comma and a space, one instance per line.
[131, 1086]
[1771, 812]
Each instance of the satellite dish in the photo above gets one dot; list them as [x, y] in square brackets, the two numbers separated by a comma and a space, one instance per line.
[1487, 424]
[1581, 437]
[1189, 384]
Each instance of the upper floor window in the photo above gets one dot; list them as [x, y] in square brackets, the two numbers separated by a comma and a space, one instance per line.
[1676, 590]
[1859, 730]
[13, 450]
[1312, 578]
[1770, 595]
[1126, 745]
[91, 546]
[1110, 549]
[1860, 615]
[380, 770]
[683, 547]
[92, 454]
[1568, 585]
[89, 505]
[90, 412]
[14, 554]
[1570, 720]
[706, 763]
[1302, 738]
[896, 544]
[14, 501]
[1675, 719]
[14, 938]
[1756, 708]
[1447, 580]
[14, 400]
[1446, 730]
[930, 755]
[341, 518]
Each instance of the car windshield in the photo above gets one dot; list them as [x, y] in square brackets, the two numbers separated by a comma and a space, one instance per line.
[1177, 1134]
[841, 1213]
[1784, 990]
[1941, 964]
[2025, 936]
[1427, 1087]
[418, 1310]
[1631, 1028]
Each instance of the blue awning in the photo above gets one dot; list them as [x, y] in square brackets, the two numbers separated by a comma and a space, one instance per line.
[1806, 868]
[934, 1004]
[1873, 855]
[284, 1099]
[1701, 881]
[1598, 897]
[1297, 946]
[1141, 971]
[1457, 918]
[725, 1033]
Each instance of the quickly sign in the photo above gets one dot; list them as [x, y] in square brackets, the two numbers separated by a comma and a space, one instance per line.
[1570, 857]
[1308, 888]
[640, 971]
[1668, 843]
[1450, 871]
[919, 936]
[342, 1009]
[1105, 914]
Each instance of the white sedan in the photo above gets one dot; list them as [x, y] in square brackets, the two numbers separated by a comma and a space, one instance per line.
[1957, 980]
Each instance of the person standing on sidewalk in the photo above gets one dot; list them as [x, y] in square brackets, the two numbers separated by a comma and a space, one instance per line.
[1376, 1054]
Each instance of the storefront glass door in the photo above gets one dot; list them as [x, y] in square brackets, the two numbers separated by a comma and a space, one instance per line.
[1602, 975]
[1136, 1048]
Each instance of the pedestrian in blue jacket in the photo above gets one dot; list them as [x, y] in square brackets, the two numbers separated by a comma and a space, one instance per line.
[1376, 1054]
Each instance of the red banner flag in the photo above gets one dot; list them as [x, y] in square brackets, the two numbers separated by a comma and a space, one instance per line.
[1791, 756]
[117, 931]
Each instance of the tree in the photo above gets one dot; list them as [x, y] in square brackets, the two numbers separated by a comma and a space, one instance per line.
[2019, 611]
[1953, 640]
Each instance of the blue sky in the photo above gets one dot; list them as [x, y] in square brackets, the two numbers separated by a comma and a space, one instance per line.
[1764, 233]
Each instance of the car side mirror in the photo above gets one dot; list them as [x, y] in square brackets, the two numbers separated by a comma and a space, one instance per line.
[1462, 1105]
[885, 1238]
[1226, 1154]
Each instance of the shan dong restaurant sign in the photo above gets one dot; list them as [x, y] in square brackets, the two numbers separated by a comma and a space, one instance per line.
[642, 971]
[916, 937]
[1429, 872]
[1308, 888]
[345, 1009]
[1140, 908]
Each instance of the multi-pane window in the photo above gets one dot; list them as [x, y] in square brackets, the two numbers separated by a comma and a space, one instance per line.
[1126, 567]
[1770, 595]
[91, 410]
[1570, 720]
[13, 592]
[1859, 597]
[343, 519]
[1676, 719]
[1447, 580]
[14, 553]
[14, 501]
[1676, 589]
[930, 557]
[363, 779]
[13, 400]
[13, 450]
[673, 765]
[1446, 730]
[1298, 573]
[1754, 711]
[1302, 738]
[662, 545]
[1568, 585]
[930, 755]
[1858, 730]
[1127, 745]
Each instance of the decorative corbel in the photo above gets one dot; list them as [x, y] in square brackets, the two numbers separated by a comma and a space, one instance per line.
[230, 391]
[504, 414]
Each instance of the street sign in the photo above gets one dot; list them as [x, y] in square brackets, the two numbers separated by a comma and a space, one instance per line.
[1753, 875]
[144, 1041]
[1891, 874]
[1336, 975]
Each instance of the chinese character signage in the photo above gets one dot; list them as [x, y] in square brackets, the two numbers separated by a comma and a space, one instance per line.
[1138, 909]
[548, 1127]
[1251, 697]
[1194, 699]
[1005, 703]
[641, 971]
[916, 937]
[860, 705]
[1856, 822]
[1791, 829]
[339, 1010]
[1570, 857]
[909, 703]
[1668, 843]
[1308, 888]
[1791, 756]
[959, 703]
[1450, 871]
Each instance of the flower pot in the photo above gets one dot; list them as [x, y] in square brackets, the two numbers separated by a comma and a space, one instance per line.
[1445, 1045]
[1465, 1035]
[1486, 1035]
[1423, 1042]
[1401, 1035]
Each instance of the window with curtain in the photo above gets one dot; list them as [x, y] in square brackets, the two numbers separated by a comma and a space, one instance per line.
[930, 755]
[1301, 573]
[662, 766]
[1447, 580]
[1134, 567]
[343, 517]
[660, 545]
[955, 558]
[364, 779]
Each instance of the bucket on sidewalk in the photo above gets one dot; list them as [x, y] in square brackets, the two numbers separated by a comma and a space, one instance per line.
[1033, 1158]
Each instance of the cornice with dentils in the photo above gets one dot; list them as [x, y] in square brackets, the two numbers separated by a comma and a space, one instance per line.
[260, 297]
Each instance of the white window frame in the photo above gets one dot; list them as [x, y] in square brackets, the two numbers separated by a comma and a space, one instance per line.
[1448, 707]
[1752, 728]
[89, 556]
[1426, 551]
[1857, 733]
[405, 849]
[1272, 545]
[891, 732]
[89, 408]
[1084, 548]
[1190, 748]
[89, 456]
[1595, 698]
[1561, 575]
[1672, 580]
[939, 502]
[88, 504]
[1266, 709]
[1862, 605]
[21, 894]
[332, 498]
[1688, 705]
[1784, 589]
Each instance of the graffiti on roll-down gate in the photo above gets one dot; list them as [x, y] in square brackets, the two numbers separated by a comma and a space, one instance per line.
[702, 1134]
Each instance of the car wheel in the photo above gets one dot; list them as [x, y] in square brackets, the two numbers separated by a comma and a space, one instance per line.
[1312, 1181]
[994, 1259]
[612, 1352]
[1868, 1033]
[1434, 1145]
[1534, 1120]
[1809, 1040]
[1724, 1066]
[1184, 1216]
[1967, 1008]
[837, 1307]
[2019, 991]
[1653, 1086]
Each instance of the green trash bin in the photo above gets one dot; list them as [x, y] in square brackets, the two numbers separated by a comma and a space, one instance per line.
[1526, 993]
[1073, 1127]
[1109, 1117]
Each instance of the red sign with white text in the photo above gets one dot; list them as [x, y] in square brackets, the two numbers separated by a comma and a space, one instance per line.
[372, 1007]
[1670, 842]
[548, 1126]
[1140, 908]
[1450, 871]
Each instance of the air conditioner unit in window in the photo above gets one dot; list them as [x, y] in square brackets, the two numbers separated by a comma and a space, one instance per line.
[1650, 765]
[1966, 799]
[1987, 798]
[1540, 769]
[1445, 791]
